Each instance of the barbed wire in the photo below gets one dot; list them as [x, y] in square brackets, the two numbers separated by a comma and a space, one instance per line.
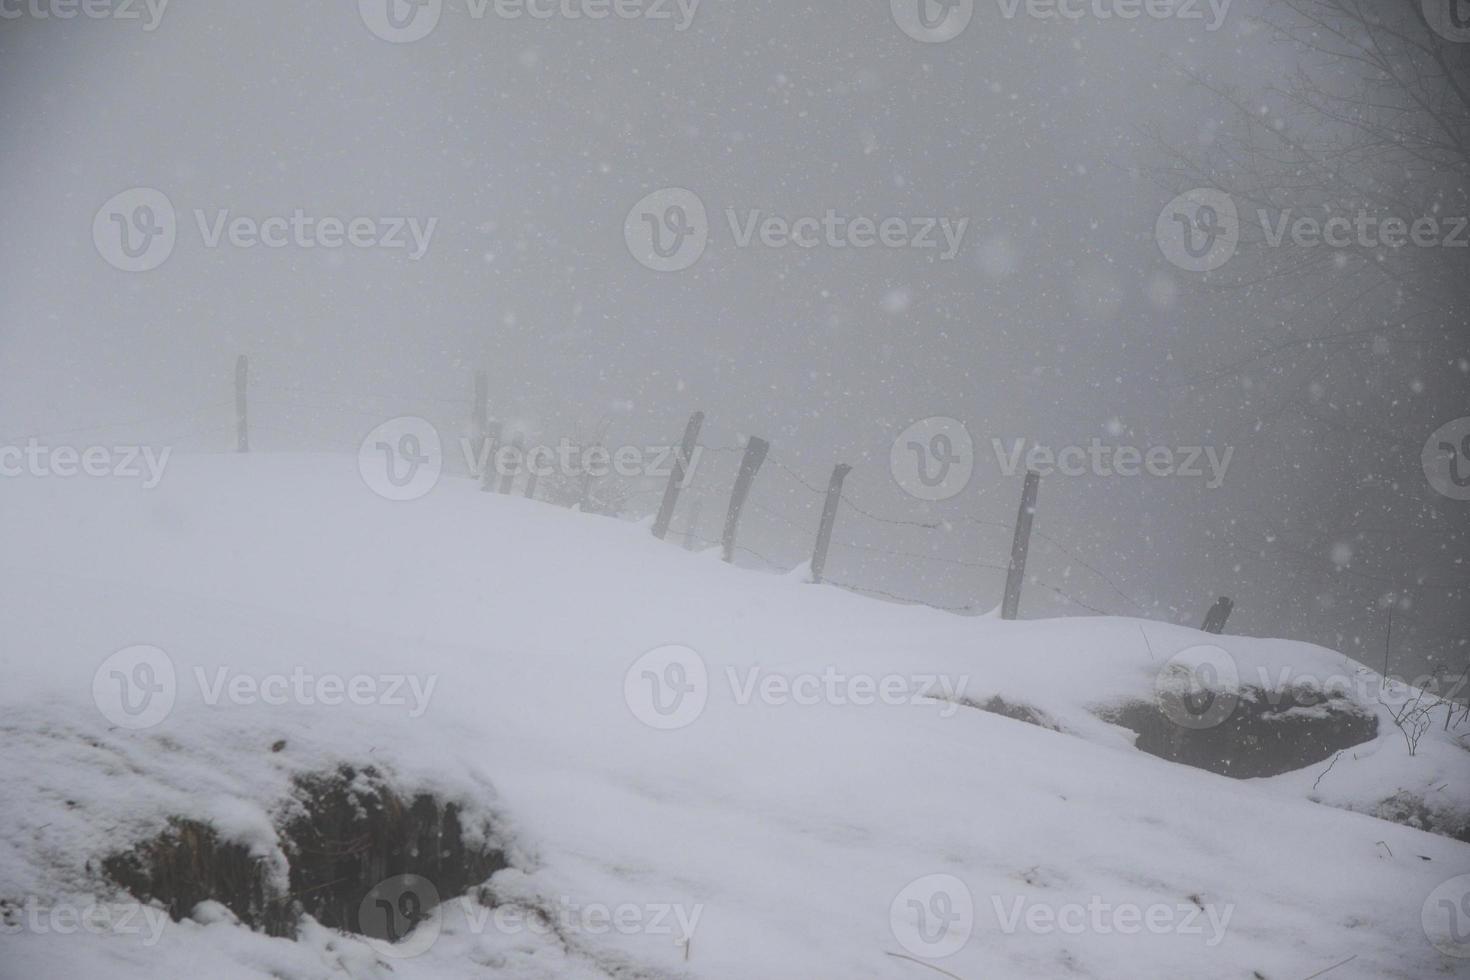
[929, 525]
[300, 398]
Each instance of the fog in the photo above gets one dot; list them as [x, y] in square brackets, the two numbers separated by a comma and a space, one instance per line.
[1054, 143]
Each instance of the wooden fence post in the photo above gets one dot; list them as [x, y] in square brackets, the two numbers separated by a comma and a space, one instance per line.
[691, 533]
[677, 477]
[532, 478]
[1218, 614]
[829, 517]
[488, 446]
[750, 464]
[242, 422]
[508, 479]
[480, 411]
[1016, 573]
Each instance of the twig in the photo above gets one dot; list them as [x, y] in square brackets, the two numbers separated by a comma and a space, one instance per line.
[1331, 968]
[1327, 770]
[902, 956]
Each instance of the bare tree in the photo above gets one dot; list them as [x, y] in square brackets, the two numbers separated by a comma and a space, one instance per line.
[1370, 130]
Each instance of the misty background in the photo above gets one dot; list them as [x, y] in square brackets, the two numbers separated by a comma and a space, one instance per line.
[1059, 320]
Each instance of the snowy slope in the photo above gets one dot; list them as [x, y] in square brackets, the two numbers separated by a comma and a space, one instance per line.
[787, 835]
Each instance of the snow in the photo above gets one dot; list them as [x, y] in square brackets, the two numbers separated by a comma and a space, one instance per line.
[828, 791]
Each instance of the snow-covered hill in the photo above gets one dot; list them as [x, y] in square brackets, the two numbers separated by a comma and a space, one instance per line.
[688, 769]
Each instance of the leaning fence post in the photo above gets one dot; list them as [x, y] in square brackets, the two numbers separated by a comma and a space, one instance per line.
[508, 478]
[242, 423]
[489, 446]
[532, 478]
[755, 455]
[691, 533]
[480, 411]
[1016, 573]
[1218, 614]
[829, 517]
[677, 476]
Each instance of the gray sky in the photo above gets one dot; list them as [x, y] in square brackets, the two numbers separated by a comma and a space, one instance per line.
[1058, 320]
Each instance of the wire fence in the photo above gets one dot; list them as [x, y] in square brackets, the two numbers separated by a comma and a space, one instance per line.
[874, 550]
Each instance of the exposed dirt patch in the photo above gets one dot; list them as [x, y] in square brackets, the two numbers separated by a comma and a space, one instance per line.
[1412, 811]
[1259, 737]
[343, 833]
[187, 864]
[1014, 710]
